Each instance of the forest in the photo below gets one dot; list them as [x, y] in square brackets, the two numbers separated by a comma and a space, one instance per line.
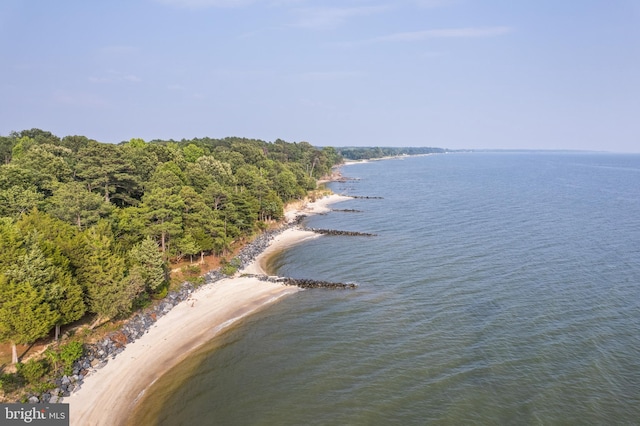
[89, 228]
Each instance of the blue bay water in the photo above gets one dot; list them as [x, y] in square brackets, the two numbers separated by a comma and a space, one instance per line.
[501, 288]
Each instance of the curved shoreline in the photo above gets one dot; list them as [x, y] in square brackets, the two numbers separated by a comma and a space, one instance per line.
[109, 396]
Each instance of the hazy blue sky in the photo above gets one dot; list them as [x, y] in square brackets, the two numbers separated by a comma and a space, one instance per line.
[447, 73]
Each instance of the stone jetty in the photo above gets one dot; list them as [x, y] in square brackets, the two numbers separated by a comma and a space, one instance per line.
[304, 282]
[338, 232]
[346, 210]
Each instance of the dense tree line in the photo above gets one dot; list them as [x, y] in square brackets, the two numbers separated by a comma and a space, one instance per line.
[88, 227]
[366, 153]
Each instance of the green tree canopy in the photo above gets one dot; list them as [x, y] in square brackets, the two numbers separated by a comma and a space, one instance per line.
[102, 271]
[28, 289]
[73, 203]
[146, 261]
[164, 217]
[103, 168]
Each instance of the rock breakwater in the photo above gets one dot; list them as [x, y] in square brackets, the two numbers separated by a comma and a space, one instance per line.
[346, 210]
[304, 282]
[96, 355]
[338, 232]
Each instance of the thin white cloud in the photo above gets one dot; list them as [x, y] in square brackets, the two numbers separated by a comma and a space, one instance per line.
[415, 36]
[431, 54]
[431, 4]
[201, 4]
[115, 77]
[310, 103]
[281, 3]
[77, 99]
[99, 80]
[184, 92]
[132, 78]
[116, 54]
[471, 32]
[175, 87]
[331, 17]
[328, 75]
[118, 50]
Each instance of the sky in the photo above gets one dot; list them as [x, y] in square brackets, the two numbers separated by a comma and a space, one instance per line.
[457, 74]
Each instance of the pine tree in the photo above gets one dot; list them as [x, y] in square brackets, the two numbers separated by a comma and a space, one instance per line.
[103, 167]
[74, 204]
[164, 215]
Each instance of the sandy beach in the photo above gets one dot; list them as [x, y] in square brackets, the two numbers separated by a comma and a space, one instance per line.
[109, 395]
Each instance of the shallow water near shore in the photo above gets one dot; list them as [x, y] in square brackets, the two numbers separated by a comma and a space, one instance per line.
[501, 288]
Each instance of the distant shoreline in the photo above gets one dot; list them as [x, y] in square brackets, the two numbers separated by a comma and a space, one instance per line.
[390, 157]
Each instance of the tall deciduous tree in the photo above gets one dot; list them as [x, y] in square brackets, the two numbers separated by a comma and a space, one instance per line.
[286, 185]
[17, 200]
[75, 143]
[220, 171]
[192, 152]
[48, 163]
[271, 207]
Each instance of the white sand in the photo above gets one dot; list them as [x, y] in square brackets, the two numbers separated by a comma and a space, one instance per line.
[109, 395]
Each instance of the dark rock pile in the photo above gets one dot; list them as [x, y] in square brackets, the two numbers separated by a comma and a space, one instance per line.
[307, 283]
[97, 355]
[304, 283]
[251, 251]
[337, 232]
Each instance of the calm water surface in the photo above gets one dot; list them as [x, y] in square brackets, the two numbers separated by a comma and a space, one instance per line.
[502, 288]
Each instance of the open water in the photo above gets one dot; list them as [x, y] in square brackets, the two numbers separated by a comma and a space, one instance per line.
[502, 288]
